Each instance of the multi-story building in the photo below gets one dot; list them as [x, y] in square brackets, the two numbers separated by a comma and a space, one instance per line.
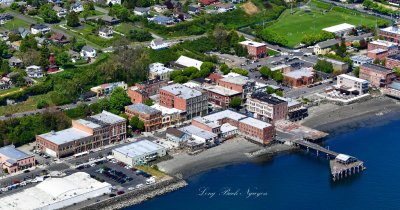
[266, 107]
[170, 116]
[193, 102]
[255, 49]
[107, 89]
[86, 134]
[378, 76]
[159, 71]
[324, 47]
[338, 66]
[13, 160]
[391, 47]
[257, 130]
[379, 54]
[238, 83]
[392, 61]
[142, 91]
[350, 84]
[391, 34]
[299, 78]
[360, 60]
[151, 117]
[220, 96]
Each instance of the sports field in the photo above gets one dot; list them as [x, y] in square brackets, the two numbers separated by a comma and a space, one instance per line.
[315, 17]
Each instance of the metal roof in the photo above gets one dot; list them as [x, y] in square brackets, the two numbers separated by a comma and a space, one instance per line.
[182, 91]
[189, 62]
[12, 153]
[339, 28]
[65, 136]
[139, 148]
[255, 123]
[224, 114]
[108, 117]
[142, 108]
[193, 130]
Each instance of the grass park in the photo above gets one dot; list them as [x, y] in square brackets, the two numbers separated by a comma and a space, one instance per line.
[314, 18]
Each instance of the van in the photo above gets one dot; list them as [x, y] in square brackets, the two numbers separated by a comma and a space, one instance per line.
[150, 180]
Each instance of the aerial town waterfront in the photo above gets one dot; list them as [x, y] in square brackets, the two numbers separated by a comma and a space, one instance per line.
[107, 104]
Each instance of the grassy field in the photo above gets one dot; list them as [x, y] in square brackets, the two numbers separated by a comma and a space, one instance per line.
[15, 24]
[295, 26]
[27, 105]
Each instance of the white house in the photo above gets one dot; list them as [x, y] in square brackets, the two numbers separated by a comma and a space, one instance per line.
[34, 71]
[160, 8]
[157, 44]
[77, 7]
[141, 11]
[61, 12]
[113, 2]
[184, 61]
[106, 33]
[88, 52]
[39, 28]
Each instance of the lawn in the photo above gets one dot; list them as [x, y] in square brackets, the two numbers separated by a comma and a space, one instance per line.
[15, 24]
[152, 171]
[27, 105]
[294, 26]
[124, 28]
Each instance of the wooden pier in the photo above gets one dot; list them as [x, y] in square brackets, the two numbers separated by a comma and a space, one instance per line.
[341, 165]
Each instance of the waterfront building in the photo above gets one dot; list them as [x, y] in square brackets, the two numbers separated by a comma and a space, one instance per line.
[257, 130]
[266, 107]
[351, 85]
[378, 76]
[176, 136]
[13, 160]
[392, 89]
[139, 152]
[56, 193]
[86, 134]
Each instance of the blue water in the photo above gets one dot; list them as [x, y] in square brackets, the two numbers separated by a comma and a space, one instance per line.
[301, 181]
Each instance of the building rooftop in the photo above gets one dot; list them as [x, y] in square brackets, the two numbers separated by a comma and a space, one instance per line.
[333, 61]
[391, 29]
[298, 74]
[65, 136]
[221, 90]
[108, 117]
[175, 132]
[193, 130]
[226, 127]
[239, 79]
[255, 123]
[207, 122]
[383, 43]
[395, 85]
[377, 67]
[139, 148]
[377, 51]
[12, 153]
[142, 108]
[291, 102]
[252, 43]
[395, 56]
[328, 43]
[265, 97]
[361, 58]
[165, 110]
[353, 78]
[279, 67]
[88, 123]
[188, 62]
[225, 114]
[52, 191]
[182, 91]
[339, 28]
[159, 68]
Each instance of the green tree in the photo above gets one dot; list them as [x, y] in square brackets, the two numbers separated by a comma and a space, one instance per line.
[224, 69]
[14, 6]
[266, 71]
[140, 125]
[235, 102]
[3, 49]
[149, 102]
[42, 104]
[270, 90]
[277, 76]
[240, 71]
[134, 122]
[63, 59]
[279, 93]
[48, 14]
[73, 19]
[324, 66]
[118, 100]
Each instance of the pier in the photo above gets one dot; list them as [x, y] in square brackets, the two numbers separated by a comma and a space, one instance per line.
[341, 165]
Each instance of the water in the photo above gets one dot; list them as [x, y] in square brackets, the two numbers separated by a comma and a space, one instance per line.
[301, 181]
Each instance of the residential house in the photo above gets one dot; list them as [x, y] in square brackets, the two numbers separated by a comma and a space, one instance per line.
[5, 18]
[224, 7]
[59, 38]
[324, 47]
[113, 2]
[15, 62]
[141, 11]
[110, 21]
[176, 136]
[108, 88]
[34, 71]
[159, 43]
[207, 2]
[23, 32]
[162, 20]
[61, 12]
[88, 52]
[77, 7]
[106, 32]
[160, 8]
[39, 28]
[193, 10]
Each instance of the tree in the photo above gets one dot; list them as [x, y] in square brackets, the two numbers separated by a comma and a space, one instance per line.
[72, 19]
[138, 35]
[48, 14]
[220, 35]
[224, 69]
[134, 122]
[270, 90]
[241, 51]
[140, 125]
[279, 93]
[3, 49]
[118, 100]
[149, 102]
[42, 104]
[14, 6]
[278, 76]
[266, 71]
[324, 66]
[240, 71]
[235, 102]
[63, 59]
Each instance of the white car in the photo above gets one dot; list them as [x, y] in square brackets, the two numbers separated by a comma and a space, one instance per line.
[139, 186]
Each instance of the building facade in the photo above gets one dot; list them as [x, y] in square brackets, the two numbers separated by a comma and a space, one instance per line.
[353, 85]
[300, 78]
[237, 83]
[220, 96]
[13, 160]
[139, 152]
[142, 91]
[255, 49]
[151, 117]
[266, 107]
[378, 76]
[159, 71]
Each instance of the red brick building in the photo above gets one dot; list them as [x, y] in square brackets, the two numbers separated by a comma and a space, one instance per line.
[221, 96]
[237, 83]
[151, 117]
[13, 160]
[380, 49]
[300, 78]
[391, 34]
[255, 49]
[379, 54]
[142, 91]
[392, 61]
[378, 76]
[207, 2]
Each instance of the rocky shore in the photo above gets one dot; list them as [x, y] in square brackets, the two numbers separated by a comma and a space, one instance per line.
[138, 196]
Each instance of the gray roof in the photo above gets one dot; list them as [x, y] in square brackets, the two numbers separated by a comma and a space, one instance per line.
[182, 91]
[175, 132]
[377, 67]
[65, 136]
[241, 80]
[139, 148]
[193, 130]
[255, 123]
[108, 117]
[328, 43]
[142, 9]
[40, 26]
[88, 123]
[87, 48]
[12, 153]
[142, 108]
[225, 114]
[395, 85]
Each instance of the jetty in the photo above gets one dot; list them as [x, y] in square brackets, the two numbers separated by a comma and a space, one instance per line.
[341, 165]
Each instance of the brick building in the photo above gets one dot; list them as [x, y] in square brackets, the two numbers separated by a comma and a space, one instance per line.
[257, 130]
[266, 107]
[299, 78]
[193, 102]
[255, 49]
[86, 134]
[378, 76]
[238, 83]
[13, 160]
[391, 34]
[142, 91]
[379, 54]
[220, 96]
[391, 47]
[151, 117]
[392, 61]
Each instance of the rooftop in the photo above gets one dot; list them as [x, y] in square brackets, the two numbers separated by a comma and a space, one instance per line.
[182, 91]
[175, 132]
[395, 56]
[270, 99]
[139, 148]
[252, 43]
[391, 29]
[65, 136]
[205, 121]
[188, 62]
[377, 51]
[193, 130]
[88, 123]
[108, 117]
[221, 90]
[224, 114]
[353, 78]
[383, 43]
[142, 108]
[12, 153]
[159, 68]
[298, 74]
[395, 85]
[328, 43]
[291, 102]
[377, 67]
[226, 127]
[361, 58]
[165, 110]
[255, 123]
[240, 80]
[333, 61]
[339, 28]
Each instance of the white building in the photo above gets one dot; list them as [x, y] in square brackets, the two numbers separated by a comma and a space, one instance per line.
[157, 44]
[158, 70]
[56, 193]
[77, 7]
[106, 33]
[352, 84]
[39, 28]
[34, 71]
[200, 135]
[113, 2]
[88, 52]
[139, 152]
[341, 29]
[170, 116]
[359, 60]
[184, 61]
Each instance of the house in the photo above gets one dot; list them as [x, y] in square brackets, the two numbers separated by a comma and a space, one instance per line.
[23, 32]
[59, 38]
[159, 43]
[193, 10]
[110, 21]
[34, 71]
[160, 8]
[106, 33]
[88, 52]
[39, 28]
[108, 88]
[74, 55]
[141, 11]
[176, 136]
[184, 62]
[77, 7]
[222, 8]
[162, 20]
[15, 62]
[324, 47]
[255, 49]
[5, 18]
[15, 45]
[61, 12]
[207, 2]
[183, 16]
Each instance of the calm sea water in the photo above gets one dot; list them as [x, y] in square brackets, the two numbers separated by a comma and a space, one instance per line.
[300, 181]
